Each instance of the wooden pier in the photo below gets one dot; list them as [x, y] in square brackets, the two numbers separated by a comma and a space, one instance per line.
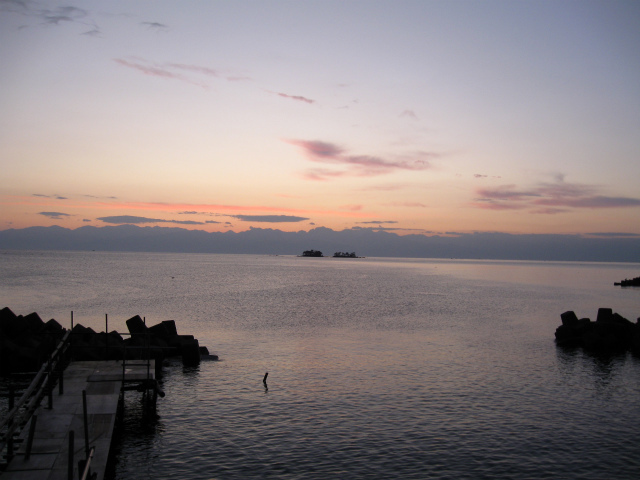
[63, 429]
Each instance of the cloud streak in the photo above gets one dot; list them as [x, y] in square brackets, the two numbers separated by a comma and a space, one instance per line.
[355, 165]
[176, 71]
[549, 198]
[270, 218]
[299, 98]
[56, 197]
[134, 220]
[54, 215]
[217, 208]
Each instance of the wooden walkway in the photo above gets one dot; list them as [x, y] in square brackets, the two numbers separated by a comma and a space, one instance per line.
[102, 382]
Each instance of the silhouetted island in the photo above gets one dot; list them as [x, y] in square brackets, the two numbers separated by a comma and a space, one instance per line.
[345, 255]
[312, 253]
[634, 282]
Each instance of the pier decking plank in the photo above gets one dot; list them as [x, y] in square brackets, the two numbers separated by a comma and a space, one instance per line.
[102, 381]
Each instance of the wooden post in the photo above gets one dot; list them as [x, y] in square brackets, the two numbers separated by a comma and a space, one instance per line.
[32, 431]
[61, 373]
[49, 385]
[71, 319]
[10, 442]
[86, 423]
[70, 457]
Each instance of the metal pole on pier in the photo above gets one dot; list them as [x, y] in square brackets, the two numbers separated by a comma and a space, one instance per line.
[106, 330]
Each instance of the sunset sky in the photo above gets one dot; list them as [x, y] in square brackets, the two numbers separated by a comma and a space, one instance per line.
[409, 116]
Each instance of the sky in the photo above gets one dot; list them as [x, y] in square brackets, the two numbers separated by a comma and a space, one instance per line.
[428, 117]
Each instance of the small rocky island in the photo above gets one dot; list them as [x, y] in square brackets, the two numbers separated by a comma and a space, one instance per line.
[610, 332]
[345, 255]
[312, 253]
[634, 282]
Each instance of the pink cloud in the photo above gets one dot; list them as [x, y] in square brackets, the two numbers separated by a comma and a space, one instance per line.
[172, 70]
[596, 201]
[195, 68]
[299, 98]
[557, 197]
[505, 192]
[357, 165]
[488, 204]
[316, 148]
[148, 69]
[322, 174]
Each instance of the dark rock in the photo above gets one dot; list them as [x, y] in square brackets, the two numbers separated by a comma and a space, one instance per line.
[604, 314]
[25, 342]
[190, 350]
[136, 326]
[160, 330]
[634, 282]
[7, 321]
[170, 325]
[52, 326]
[32, 323]
[610, 332]
[569, 318]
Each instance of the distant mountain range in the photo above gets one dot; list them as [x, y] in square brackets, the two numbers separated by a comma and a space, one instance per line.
[365, 241]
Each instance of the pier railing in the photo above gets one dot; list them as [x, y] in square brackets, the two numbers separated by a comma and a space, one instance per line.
[42, 384]
[23, 411]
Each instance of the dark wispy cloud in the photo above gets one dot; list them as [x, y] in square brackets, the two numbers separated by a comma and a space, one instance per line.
[299, 98]
[270, 218]
[356, 165]
[48, 16]
[55, 197]
[131, 219]
[54, 215]
[63, 14]
[160, 27]
[98, 197]
[15, 6]
[549, 198]
[409, 114]
[94, 32]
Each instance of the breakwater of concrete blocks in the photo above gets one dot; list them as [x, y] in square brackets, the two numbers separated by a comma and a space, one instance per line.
[610, 332]
[27, 341]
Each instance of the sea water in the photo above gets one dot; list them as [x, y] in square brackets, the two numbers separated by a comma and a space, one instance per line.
[378, 368]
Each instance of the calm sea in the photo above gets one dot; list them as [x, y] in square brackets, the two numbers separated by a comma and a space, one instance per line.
[378, 368]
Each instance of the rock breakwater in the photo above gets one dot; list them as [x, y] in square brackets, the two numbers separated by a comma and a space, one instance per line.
[27, 341]
[610, 332]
